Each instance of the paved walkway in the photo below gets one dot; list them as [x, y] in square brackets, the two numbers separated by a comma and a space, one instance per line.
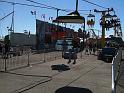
[88, 75]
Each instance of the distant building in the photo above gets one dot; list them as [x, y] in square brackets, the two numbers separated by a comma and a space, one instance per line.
[22, 39]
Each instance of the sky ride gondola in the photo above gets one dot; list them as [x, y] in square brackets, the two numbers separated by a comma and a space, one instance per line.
[90, 20]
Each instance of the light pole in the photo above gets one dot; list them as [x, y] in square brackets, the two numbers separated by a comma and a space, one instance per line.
[34, 13]
[13, 17]
[103, 30]
[84, 34]
[57, 24]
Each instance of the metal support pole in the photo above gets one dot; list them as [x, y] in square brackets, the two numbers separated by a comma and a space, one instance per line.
[57, 22]
[5, 62]
[29, 49]
[84, 34]
[28, 58]
[13, 18]
[44, 56]
[98, 40]
[58, 12]
[103, 26]
[115, 31]
[83, 38]
[76, 5]
[103, 30]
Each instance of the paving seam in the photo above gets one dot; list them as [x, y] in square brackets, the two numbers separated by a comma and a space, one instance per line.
[30, 86]
[82, 75]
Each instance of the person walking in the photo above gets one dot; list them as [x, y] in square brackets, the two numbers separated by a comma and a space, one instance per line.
[86, 50]
[94, 49]
[73, 51]
[90, 47]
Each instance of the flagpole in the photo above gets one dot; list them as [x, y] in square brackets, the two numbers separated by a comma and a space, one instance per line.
[44, 49]
[13, 17]
[34, 13]
[57, 23]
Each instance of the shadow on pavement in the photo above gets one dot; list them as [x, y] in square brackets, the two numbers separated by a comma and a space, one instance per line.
[60, 67]
[69, 89]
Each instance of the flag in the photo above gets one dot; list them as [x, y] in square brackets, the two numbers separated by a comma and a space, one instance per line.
[33, 12]
[43, 16]
[51, 18]
[10, 29]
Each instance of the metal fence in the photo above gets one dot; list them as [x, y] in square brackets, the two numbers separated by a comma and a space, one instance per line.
[28, 57]
[116, 69]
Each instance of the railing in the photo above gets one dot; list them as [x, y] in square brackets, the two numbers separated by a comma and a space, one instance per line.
[116, 69]
[14, 60]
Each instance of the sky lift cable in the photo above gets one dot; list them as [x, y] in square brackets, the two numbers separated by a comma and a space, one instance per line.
[67, 10]
[94, 4]
[23, 4]
[30, 5]
[6, 16]
[50, 7]
[41, 4]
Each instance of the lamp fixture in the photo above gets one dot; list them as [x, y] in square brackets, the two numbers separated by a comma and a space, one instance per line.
[73, 17]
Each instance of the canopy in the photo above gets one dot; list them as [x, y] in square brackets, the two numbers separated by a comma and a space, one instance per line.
[73, 17]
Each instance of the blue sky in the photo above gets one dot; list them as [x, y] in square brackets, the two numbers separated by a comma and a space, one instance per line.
[23, 19]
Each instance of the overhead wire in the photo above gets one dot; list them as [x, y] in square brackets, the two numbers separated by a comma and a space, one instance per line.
[94, 4]
[43, 5]
[24, 4]
[50, 7]
[53, 7]
[6, 16]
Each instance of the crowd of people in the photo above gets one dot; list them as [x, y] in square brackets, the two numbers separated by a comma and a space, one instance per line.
[90, 48]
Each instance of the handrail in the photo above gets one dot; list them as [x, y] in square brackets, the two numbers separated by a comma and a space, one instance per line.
[115, 69]
[113, 80]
